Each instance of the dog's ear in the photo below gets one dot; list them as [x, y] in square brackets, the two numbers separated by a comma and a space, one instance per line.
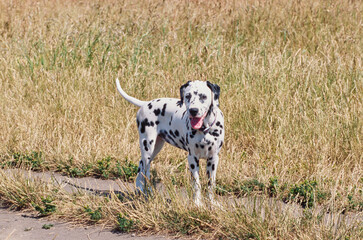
[182, 88]
[216, 90]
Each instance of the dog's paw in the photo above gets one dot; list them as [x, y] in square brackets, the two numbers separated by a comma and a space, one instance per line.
[198, 202]
[214, 204]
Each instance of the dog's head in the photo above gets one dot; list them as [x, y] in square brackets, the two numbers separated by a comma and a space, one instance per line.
[199, 98]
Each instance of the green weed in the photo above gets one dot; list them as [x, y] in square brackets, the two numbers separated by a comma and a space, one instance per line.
[31, 160]
[126, 170]
[306, 193]
[47, 226]
[273, 187]
[46, 208]
[103, 167]
[95, 215]
[125, 224]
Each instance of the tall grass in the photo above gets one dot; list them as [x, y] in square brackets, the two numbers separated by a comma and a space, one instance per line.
[290, 74]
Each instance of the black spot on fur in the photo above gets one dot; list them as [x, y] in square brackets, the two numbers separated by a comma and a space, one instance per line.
[182, 144]
[145, 145]
[192, 166]
[138, 170]
[171, 133]
[176, 133]
[196, 145]
[182, 141]
[209, 164]
[192, 133]
[145, 123]
[150, 106]
[218, 123]
[184, 113]
[138, 123]
[201, 146]
[215, 134]
[169, 139]
[157, 112]
[157, 122]
[196, 161]
[163, 110]
[213, 167]
[210, 148]
[171, 120]
[220, 145]
[151, 142]
[158, 100]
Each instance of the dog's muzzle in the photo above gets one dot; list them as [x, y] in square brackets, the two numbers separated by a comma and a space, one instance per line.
[196, 122]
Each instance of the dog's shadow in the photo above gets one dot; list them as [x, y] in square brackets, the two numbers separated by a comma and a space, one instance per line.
[129, 194]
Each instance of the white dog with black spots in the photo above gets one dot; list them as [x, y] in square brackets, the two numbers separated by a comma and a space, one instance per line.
[193, 123]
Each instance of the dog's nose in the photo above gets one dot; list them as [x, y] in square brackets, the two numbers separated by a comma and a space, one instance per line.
[193, 111]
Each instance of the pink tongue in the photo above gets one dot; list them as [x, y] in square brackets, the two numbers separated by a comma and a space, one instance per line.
[196, 122]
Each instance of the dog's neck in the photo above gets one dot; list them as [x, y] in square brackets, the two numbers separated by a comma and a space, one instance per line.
[209, 120]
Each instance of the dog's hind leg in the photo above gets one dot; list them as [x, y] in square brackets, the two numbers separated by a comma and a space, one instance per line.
[150, 147]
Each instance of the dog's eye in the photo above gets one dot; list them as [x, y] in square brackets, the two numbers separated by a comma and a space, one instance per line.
[188, 96]
[203, 97]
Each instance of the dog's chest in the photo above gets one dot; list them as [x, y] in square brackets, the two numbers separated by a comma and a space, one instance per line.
[205, 145]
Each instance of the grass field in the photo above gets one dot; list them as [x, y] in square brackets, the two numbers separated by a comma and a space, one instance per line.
[291, 79]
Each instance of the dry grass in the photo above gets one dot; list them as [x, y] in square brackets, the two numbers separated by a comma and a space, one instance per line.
[290, 74]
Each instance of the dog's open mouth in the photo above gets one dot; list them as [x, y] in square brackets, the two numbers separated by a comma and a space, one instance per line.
[197, 122]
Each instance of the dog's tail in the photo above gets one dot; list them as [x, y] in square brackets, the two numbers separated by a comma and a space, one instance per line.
[130, 99]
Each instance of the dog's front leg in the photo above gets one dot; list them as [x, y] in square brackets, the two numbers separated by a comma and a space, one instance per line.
[194, 169]
[212, 164]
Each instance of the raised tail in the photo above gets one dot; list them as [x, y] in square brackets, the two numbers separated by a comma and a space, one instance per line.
[130, 99]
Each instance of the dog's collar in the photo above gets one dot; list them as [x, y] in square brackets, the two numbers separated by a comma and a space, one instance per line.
[205, 129]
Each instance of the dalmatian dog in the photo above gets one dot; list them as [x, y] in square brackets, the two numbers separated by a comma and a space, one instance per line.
[193, 123]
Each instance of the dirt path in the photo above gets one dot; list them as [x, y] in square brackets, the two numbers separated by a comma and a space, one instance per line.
[15, 225]
[24, 226]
